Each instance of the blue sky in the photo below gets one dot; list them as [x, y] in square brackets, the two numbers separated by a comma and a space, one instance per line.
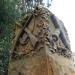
[65, 11]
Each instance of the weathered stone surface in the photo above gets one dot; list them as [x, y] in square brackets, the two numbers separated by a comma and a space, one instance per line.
[38, 48]
[42, 64]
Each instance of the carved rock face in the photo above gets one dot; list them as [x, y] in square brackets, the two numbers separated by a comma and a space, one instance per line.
[37, 40]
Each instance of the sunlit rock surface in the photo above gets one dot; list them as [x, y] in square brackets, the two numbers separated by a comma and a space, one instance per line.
[40, 46]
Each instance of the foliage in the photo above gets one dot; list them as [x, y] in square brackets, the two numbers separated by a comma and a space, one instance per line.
[8, 15]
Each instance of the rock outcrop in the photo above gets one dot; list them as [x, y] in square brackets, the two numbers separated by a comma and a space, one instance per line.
[40, 46]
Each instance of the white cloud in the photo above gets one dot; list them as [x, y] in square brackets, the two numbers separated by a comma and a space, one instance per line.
[64, 10]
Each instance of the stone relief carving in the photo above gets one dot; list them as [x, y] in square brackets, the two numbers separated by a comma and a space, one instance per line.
[34, 40]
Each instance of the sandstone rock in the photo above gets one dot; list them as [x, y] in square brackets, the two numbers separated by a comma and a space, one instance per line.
[44, 53]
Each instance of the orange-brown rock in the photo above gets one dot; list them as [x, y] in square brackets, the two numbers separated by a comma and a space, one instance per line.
[41, 47]
[42, 64]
